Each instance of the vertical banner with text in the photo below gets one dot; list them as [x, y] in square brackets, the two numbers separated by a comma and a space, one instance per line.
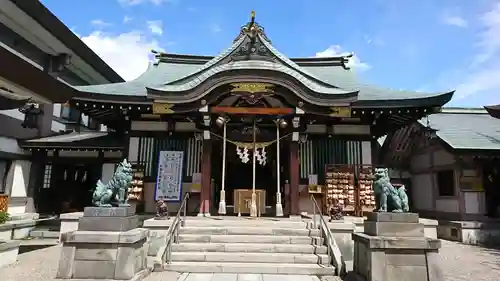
[169, 179]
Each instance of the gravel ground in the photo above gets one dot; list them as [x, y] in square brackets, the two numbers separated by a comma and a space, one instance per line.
[459, 263]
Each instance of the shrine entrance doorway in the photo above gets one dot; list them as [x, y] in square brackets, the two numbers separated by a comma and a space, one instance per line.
[268, 174]
[252, 122]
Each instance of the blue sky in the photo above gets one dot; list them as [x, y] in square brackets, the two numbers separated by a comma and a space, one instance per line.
[426, 45]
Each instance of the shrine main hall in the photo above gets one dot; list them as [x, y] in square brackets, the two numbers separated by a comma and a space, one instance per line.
[249, 131]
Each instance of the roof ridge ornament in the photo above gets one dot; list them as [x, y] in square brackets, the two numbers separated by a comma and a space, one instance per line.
[156, 56]
[252, 29]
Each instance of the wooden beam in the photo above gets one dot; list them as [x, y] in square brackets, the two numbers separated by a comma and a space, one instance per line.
[252, 110]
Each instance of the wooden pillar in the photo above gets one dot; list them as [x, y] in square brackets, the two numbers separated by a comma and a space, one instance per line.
[294, 178]
[206, 169]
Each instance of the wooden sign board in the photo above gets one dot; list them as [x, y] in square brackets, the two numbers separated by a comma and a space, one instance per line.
[252, 110]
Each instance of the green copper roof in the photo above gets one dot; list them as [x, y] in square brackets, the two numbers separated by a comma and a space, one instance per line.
[347, 80]
[250, 65]
[318, 74]
[466, 128]
[223, 63]
[155, 75]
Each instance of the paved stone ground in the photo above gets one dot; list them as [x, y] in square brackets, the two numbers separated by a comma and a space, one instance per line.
[230, 277]
[39, 265]
[459, 263]
[463, 262]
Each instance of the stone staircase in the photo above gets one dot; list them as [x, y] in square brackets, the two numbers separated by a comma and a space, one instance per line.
[250, 246]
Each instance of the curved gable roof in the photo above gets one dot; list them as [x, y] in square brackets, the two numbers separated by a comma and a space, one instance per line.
[328, 77]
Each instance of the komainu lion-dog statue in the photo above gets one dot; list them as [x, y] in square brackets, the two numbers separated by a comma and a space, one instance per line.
[115, 192]
[387, 197]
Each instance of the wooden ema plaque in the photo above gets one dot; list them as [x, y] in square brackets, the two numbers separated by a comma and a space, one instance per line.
[135, 191]
[339, 185]
[365, 190]
[4, 202]
[243, 201]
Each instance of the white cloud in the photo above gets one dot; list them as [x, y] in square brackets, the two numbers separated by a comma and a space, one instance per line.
[137, 2]
[354, 61]
[126, 19]
[156, 26]
[373, 41]
[482, 76]
[455, 21]
[99, 23]
[215, 28]
[127, 53]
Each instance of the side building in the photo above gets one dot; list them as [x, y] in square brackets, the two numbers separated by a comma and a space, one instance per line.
[249, 130]
[451, 161]
[40, 61]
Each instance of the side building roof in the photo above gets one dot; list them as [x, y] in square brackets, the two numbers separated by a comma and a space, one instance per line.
[72, 140]
[42, 15]
[462, 131]
[459, 130]
[465, 129]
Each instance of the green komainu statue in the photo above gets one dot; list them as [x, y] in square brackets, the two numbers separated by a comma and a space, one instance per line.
[387, 197]
[115, 192]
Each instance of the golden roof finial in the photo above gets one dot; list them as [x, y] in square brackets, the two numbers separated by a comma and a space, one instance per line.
[252, 16]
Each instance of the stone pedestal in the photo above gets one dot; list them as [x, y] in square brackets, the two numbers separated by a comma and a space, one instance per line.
[393, 248]
[107, 245]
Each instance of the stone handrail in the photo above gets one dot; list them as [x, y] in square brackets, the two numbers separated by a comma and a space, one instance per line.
[333, 250]
[164, 254]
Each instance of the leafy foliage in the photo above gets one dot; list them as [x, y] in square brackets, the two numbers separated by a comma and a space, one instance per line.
[4, 217]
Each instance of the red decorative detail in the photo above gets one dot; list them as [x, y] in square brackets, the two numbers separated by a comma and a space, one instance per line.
[252, 110]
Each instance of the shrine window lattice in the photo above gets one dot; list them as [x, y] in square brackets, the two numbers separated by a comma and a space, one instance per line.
[316, 153]
[150, 147]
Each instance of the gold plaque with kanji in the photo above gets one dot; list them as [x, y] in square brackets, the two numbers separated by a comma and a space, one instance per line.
[162, 108]
[340, 112]
[252, 88]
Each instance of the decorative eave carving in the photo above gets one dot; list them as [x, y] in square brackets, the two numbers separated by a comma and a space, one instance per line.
[252, 29]
[252, 48]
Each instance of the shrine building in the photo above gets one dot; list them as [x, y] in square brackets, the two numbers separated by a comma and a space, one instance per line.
[40, 60]
[450, 163]
[249, 131]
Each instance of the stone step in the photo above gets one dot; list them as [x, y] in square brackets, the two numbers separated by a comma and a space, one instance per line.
[41, 233]
[249, 257]
[242, 222]
[249, 248]
[273, 239]
[249, 268]
[39, 242]
[218, 230]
